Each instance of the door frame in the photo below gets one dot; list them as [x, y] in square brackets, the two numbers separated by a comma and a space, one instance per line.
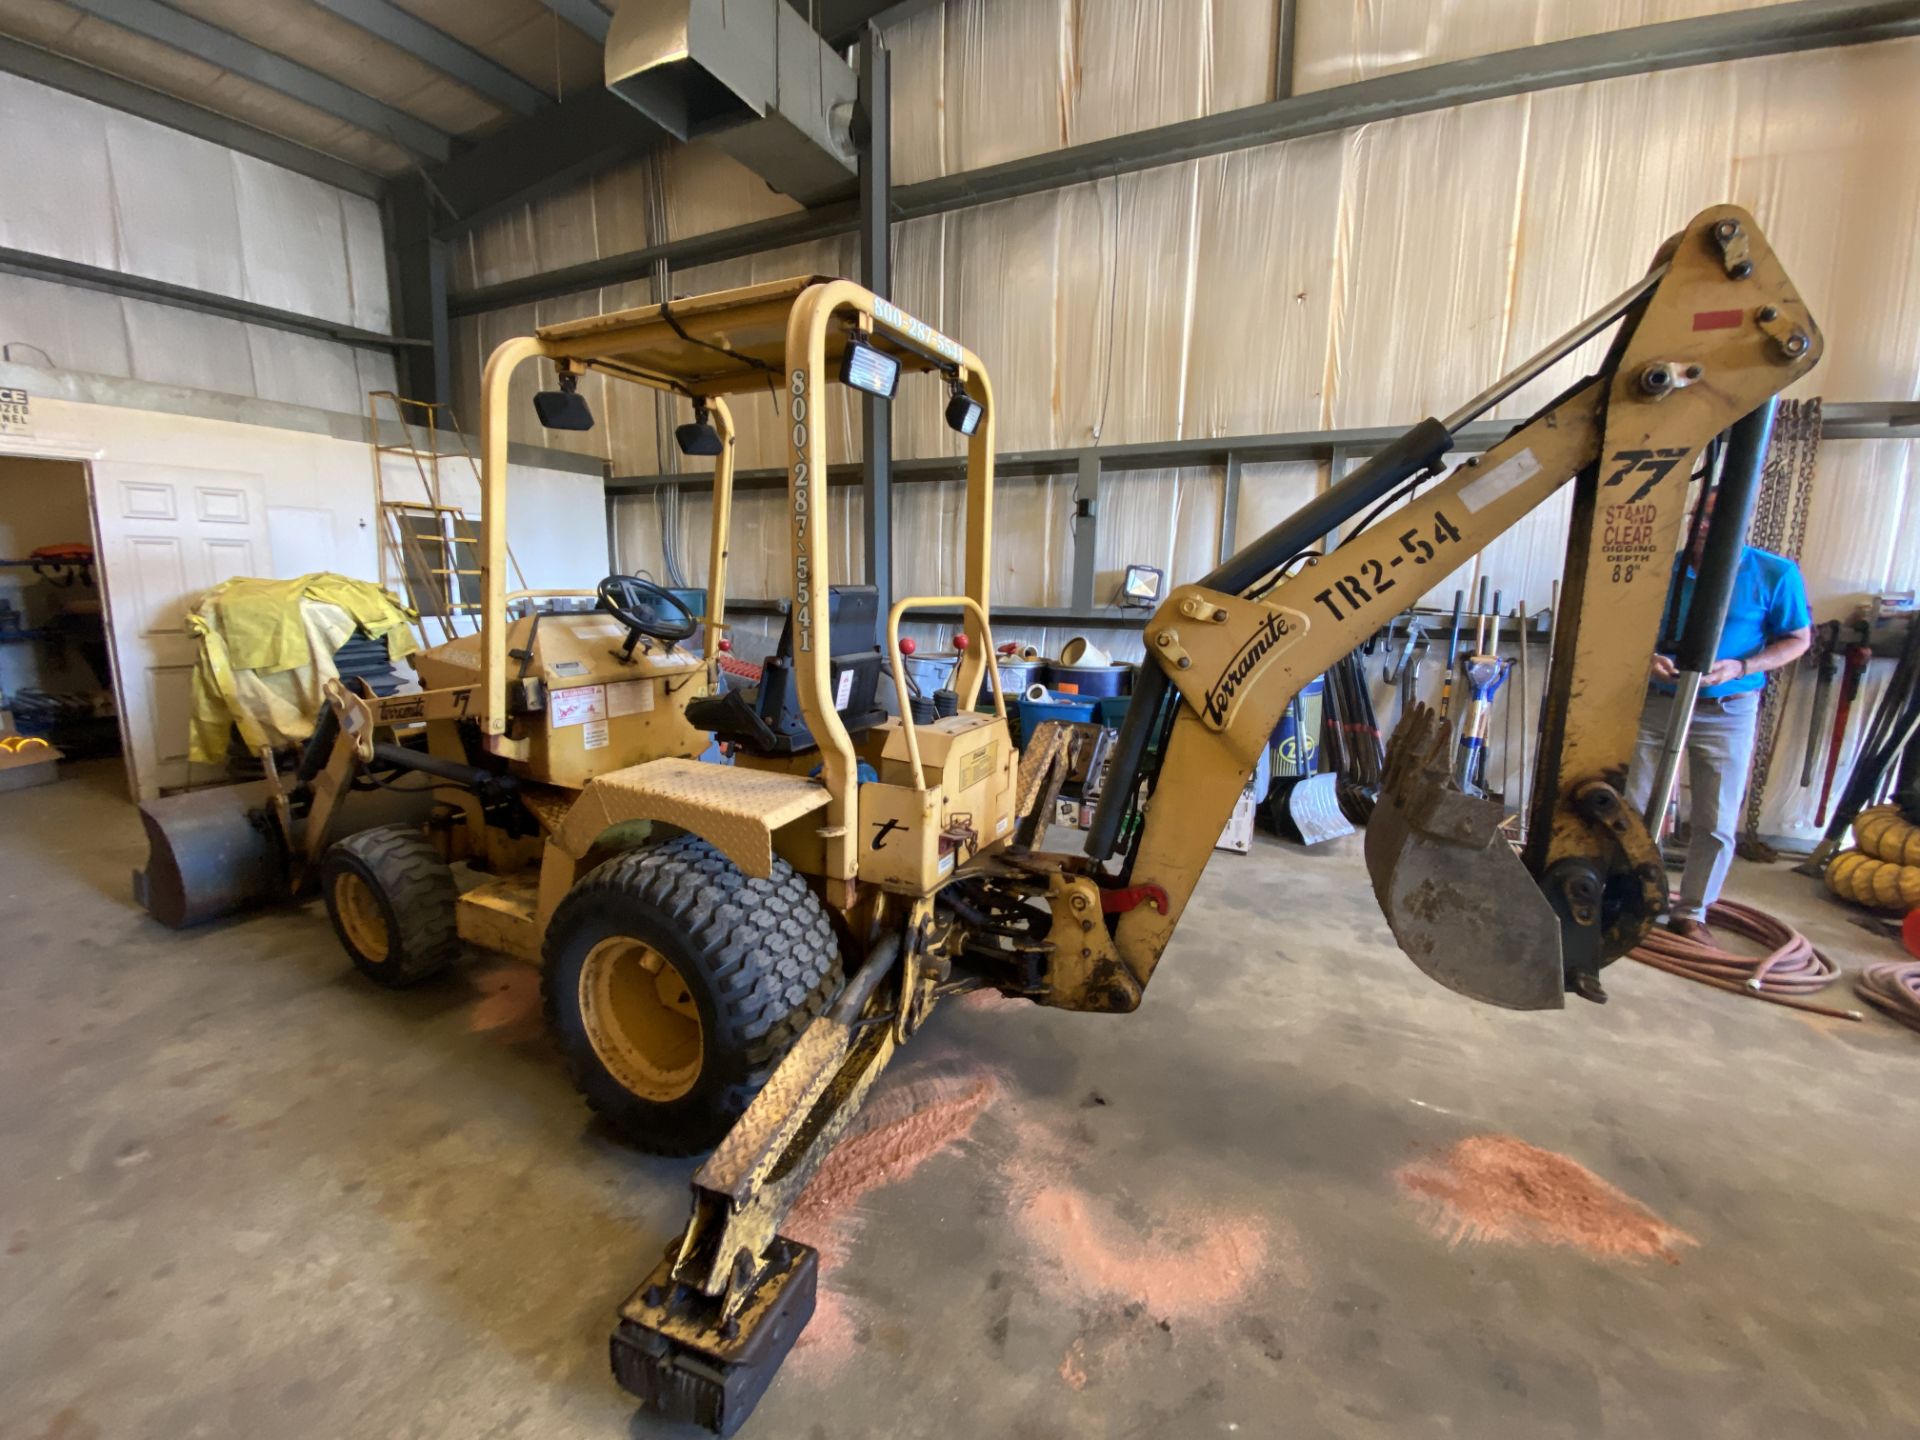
[18, 447]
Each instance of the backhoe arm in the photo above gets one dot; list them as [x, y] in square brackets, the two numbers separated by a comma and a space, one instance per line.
[1716, 330]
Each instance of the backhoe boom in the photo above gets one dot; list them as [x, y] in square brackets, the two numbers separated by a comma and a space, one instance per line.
[1714, 333]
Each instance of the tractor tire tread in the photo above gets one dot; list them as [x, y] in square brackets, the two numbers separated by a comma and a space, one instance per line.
[412, 878]
[769, 952]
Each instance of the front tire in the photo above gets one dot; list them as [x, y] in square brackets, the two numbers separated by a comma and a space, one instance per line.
[675, 983]
[392, 897]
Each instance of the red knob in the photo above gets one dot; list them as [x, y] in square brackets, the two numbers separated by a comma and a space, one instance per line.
[725, 644]
[907, 646]
[960, 640]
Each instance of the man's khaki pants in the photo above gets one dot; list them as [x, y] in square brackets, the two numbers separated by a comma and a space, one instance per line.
[1719, 756]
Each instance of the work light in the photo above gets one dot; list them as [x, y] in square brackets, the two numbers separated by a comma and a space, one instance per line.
[963, 411]
[1141, 585]
[565, 408]
[698, 437]
[868, 369]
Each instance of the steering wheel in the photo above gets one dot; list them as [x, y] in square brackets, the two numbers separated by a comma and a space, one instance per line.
[638, 604]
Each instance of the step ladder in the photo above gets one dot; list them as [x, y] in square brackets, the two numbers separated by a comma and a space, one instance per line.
[429, 546]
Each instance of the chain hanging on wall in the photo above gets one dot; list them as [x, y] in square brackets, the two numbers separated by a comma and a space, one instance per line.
[1780, 525]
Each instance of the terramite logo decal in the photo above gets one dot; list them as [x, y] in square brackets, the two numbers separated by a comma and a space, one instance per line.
[1246, 660]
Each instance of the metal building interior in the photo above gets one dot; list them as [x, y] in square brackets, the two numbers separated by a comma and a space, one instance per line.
[442, 837]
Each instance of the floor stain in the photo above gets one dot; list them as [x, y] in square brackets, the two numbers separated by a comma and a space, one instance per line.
[1499, 1189]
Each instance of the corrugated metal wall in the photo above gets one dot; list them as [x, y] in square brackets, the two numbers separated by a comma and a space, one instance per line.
[1364, 278]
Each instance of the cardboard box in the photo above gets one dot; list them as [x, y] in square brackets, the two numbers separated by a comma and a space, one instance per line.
[1238, 836]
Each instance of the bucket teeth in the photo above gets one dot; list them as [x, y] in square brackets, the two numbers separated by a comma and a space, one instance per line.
[1421, 742]
[1419, 778]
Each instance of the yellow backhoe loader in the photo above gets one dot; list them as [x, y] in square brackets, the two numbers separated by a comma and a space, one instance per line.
[917, 843]
[746, 974]
[575, 688]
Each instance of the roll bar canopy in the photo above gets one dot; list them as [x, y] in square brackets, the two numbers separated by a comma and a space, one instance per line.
[787, 335]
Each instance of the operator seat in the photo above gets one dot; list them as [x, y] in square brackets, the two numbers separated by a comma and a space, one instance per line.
[765, 719]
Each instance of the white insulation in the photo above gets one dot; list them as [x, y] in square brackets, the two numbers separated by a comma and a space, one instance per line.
[1359, 279]
[87, 183]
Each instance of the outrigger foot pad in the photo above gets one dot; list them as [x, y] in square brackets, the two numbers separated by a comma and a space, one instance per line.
[672, 1350]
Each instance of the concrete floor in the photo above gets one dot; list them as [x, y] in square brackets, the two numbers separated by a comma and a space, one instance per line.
[244, 1194]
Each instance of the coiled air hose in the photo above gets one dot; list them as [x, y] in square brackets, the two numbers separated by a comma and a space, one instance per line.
[1790, 970]
[1893, 989]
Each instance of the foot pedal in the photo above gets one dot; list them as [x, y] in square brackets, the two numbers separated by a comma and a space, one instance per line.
[671, 1351]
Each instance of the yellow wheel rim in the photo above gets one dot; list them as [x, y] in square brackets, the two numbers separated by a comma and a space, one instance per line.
[641, 1019]
[360, 917]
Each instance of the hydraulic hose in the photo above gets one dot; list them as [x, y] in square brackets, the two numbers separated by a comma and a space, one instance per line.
[1790, 970]
[1893, 989]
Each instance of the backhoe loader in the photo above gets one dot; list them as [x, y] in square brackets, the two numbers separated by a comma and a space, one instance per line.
[747, 973]
[585, 694]
[919, 844]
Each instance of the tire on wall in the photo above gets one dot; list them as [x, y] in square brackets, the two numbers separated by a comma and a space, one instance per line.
[391, 896]
[674, 984]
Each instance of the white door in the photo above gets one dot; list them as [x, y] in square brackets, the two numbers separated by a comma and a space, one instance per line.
[167, 534]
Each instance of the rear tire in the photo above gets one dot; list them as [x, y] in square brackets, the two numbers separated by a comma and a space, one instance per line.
[675, 984]
[392, 897]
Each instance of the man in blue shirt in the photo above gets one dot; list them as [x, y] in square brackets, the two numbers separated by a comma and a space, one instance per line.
[1768, 626]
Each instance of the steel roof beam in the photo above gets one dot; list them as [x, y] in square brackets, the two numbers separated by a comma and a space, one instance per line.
[841, 21]
[59, 73]
[388, 22]
[585, 16]
[590, 131]
[276, 72]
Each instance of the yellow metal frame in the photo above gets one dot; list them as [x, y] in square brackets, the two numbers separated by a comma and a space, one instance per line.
[813, 315]
[782, 334]
[495, 384]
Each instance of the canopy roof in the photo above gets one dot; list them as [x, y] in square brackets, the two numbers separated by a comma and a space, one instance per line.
[721, 343]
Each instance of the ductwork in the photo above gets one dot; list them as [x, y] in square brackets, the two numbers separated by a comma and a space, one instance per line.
[752, 77]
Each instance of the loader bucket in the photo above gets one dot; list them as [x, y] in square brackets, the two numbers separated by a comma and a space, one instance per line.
[211, 853]
[1459, 902]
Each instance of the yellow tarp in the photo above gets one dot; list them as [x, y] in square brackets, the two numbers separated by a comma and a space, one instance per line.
[266, 649]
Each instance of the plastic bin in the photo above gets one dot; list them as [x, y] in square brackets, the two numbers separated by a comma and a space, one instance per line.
[1091, 681]
[1033, 713]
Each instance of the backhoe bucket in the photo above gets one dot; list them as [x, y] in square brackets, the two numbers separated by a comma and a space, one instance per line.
[211, 853]
[1458, 899]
